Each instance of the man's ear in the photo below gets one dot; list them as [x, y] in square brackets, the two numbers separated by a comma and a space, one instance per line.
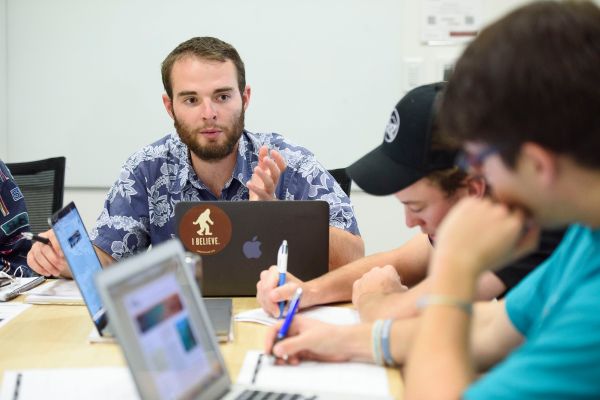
[476, 186]
[538, 161]
[246, 97]
[168, 104]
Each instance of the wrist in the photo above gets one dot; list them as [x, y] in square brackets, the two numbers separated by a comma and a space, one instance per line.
[310, 294]
[357, 342]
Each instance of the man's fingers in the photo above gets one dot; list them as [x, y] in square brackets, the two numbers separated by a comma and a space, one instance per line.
[267, 180]
[283, 293]
[262, 153]
[290, 346]
[45, 259]
[279, 160]
[273, 170]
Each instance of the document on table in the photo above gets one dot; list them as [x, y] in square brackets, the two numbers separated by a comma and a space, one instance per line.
[332, 315]
[352, 378]
[10, 310]
[68, 384]
[59, 291]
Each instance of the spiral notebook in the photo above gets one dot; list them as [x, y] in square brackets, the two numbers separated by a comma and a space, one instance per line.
[19, 286]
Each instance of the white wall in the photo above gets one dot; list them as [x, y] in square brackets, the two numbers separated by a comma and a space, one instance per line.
[85, 82]
[324, 73]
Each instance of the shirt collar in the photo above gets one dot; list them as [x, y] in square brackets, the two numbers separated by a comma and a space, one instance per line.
[247, 159]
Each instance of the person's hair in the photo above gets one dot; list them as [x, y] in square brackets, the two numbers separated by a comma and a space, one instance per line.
[449, 180]
[533, 75]
[207, 48]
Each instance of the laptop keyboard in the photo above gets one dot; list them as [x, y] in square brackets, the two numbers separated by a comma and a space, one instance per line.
[259, 395]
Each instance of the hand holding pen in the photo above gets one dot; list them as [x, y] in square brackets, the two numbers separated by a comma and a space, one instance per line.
[46, 257]
[282, 257]
[35, 238]
[292, 309]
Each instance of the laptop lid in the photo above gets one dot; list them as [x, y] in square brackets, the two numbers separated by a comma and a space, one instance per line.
[238, 239]
[162, 325]
[81, 258]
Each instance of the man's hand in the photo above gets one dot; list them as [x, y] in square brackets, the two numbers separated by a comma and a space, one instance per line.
[266, 174]
[479, 235]
[309, 339]
[268, 294]
[379, 280]
[48, 260]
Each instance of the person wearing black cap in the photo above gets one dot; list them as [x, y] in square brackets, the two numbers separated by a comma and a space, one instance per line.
[416, 163]
[529, 123]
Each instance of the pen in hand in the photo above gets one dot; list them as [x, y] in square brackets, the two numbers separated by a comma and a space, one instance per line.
[292, 309]
[282, 257]
[35, 238]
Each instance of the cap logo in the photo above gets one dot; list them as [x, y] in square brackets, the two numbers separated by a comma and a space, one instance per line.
[392, 128]
[205, 229]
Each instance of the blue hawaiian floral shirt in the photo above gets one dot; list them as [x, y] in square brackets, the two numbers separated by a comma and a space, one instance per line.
[13, 221]
[140, 207]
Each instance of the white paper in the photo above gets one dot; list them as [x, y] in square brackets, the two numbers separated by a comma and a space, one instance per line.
[60, 291]
[345, 378]
[69, 384]
[9, 311]
[332, 315]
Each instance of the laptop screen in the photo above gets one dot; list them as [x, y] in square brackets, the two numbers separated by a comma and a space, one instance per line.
[81, 257]
[165, 338]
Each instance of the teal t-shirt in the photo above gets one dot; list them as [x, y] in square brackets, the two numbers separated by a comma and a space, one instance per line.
[557, 309]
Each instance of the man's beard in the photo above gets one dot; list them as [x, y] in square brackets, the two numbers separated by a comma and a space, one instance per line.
[211, 151]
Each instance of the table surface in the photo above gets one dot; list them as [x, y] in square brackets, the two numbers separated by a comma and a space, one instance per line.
[56, 336]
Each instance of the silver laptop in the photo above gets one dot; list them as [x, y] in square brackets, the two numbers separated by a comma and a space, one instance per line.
[238, 239]
[162, 325]
[82, 260]
[84, 265]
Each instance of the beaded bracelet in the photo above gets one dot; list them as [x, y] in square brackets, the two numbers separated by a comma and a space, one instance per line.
[376, 337]
[385, 343]
[440, 300]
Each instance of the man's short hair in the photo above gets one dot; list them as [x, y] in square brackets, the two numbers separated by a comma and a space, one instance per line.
[207, 48]
[534, 75]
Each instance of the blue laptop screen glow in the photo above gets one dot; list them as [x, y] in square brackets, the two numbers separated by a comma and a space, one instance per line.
[81, 257]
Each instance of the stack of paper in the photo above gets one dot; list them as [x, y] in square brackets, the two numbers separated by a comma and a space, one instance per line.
[332, 315]
[60, 291]
[344, 378]
[68, 384]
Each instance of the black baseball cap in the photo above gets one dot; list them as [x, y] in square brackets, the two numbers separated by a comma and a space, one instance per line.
[405, 156]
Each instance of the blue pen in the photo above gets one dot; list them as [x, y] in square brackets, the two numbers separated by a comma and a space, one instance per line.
[282, 257]
[294, 305]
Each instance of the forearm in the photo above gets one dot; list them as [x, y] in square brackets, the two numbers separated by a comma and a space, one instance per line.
[344, 247]
[104, 257]
[373, 306]
[451, 368]
[336, 286]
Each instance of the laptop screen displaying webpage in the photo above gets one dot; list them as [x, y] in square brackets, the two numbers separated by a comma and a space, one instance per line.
[81, 257]
[166, 338]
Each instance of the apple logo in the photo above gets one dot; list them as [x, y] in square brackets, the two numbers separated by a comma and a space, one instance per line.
[251, 249]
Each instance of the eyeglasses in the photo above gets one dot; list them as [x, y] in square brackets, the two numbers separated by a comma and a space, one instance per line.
[467, 161]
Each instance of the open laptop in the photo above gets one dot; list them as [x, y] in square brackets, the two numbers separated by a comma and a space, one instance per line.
[162, 326]
[239, 239]
[84, 265]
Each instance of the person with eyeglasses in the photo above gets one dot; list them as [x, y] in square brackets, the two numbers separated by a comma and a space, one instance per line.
[419, 165]
[508, 91]
[14, 220]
